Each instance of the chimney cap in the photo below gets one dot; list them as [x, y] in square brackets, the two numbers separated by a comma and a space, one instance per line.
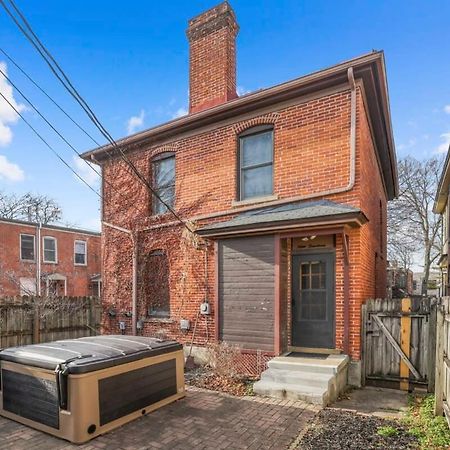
[220, 16]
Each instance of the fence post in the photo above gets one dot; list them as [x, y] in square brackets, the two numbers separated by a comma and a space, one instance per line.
[439, 378]
[36, 321]
[92, 316]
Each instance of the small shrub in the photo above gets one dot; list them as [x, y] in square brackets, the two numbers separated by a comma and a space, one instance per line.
[223, 359]
[387, 431]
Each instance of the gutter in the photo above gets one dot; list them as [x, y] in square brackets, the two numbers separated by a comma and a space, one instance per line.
[253, 101]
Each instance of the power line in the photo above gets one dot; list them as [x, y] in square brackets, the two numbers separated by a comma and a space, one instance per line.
[46, 121]
[65, 81]
[49, 146]
[10, 58]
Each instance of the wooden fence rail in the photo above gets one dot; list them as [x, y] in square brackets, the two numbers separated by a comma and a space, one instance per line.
[30, 320]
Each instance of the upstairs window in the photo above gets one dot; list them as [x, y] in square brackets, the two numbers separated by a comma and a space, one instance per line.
[256, 163]
[80, 253]
[27, 247]
[50, 251]
[163, 178]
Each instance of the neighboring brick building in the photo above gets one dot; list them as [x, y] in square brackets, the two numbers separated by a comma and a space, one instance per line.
[66, 260]
[287, 190]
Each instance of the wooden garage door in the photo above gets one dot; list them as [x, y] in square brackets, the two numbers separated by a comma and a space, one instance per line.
[247, 291]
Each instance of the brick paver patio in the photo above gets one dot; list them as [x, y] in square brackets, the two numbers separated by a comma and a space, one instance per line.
[202, 420]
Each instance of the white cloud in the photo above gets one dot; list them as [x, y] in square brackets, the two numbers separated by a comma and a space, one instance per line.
[135, 122]
[443, 147]
[10, 171]
[84, 169]
[447, 109]
[180, 112]
[240, 90]
[7, 114]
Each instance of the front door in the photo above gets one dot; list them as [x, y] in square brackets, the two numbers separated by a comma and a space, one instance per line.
[313, 301]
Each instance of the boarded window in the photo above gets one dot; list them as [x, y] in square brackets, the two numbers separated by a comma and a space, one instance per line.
[163, 176]
[158, 293]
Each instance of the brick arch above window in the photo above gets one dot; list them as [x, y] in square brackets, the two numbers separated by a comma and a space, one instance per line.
[268, 119]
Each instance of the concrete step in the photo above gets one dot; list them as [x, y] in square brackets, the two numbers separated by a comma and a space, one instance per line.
[313, 380]
[331, 365]
[296, 377]
[315, 395]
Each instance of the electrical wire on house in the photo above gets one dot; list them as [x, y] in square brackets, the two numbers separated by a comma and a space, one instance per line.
[49, 146]
[65, 81]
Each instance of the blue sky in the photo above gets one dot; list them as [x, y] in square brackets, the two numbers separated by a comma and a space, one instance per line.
[132, 63]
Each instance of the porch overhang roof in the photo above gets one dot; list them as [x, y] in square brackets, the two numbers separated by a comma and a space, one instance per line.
[287, 217]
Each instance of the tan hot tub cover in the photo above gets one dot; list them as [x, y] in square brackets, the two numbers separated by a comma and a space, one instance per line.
[77, 389]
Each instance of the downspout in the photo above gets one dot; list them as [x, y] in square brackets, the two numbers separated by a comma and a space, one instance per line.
[134, 273]
[38, 259]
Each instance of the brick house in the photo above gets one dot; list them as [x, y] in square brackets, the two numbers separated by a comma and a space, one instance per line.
[286, 189]
[66, 260]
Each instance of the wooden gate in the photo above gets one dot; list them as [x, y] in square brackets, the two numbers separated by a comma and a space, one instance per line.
[399, 341]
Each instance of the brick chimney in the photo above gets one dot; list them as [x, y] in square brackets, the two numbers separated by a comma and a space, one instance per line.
[212, 58]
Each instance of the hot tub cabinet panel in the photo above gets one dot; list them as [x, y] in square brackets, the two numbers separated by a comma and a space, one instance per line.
[91, 393]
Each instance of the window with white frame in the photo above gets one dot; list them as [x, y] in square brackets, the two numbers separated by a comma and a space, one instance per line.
[80, 253]
[27, 251]
[50, 250]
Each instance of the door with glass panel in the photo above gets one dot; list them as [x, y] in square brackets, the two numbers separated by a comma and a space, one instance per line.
[313, 302]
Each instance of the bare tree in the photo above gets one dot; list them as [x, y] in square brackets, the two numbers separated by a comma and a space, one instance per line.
[31, 207]
[413, 227]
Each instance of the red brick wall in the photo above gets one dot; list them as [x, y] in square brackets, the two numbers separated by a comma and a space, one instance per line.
[311, 154]
[78, 277]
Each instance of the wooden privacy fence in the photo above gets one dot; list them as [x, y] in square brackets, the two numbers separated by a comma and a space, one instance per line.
[399, 337]
[442, 390]
[30, 320]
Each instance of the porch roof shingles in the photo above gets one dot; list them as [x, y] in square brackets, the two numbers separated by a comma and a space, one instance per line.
[305, 212]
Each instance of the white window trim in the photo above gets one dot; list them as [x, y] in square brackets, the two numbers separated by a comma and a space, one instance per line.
[78, 241]
[34, 247]
[43, 249]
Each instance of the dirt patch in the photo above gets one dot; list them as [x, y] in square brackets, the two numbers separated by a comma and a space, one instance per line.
[207, 379]
[337, 429]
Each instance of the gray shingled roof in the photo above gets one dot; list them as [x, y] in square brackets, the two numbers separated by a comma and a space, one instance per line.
[289, 212]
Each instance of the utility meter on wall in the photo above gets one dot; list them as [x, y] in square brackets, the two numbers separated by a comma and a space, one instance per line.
[205, 308]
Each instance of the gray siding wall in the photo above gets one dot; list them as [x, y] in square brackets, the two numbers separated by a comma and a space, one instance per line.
[247, 291]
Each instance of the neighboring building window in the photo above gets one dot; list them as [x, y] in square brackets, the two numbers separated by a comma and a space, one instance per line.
[163, 178]
[50, 250]
[256, 163]
[158, 293]
[27, 247]
[80, 255]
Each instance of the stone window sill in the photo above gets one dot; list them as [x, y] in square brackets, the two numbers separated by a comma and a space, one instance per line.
[159, 320]
[255, 200]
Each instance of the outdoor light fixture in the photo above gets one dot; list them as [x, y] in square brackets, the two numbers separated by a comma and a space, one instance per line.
[128, 313]
[112, 312]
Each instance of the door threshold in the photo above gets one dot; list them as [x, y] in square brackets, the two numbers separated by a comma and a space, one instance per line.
[325, 351]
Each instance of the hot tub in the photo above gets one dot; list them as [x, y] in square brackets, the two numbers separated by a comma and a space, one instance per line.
[77, 389]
